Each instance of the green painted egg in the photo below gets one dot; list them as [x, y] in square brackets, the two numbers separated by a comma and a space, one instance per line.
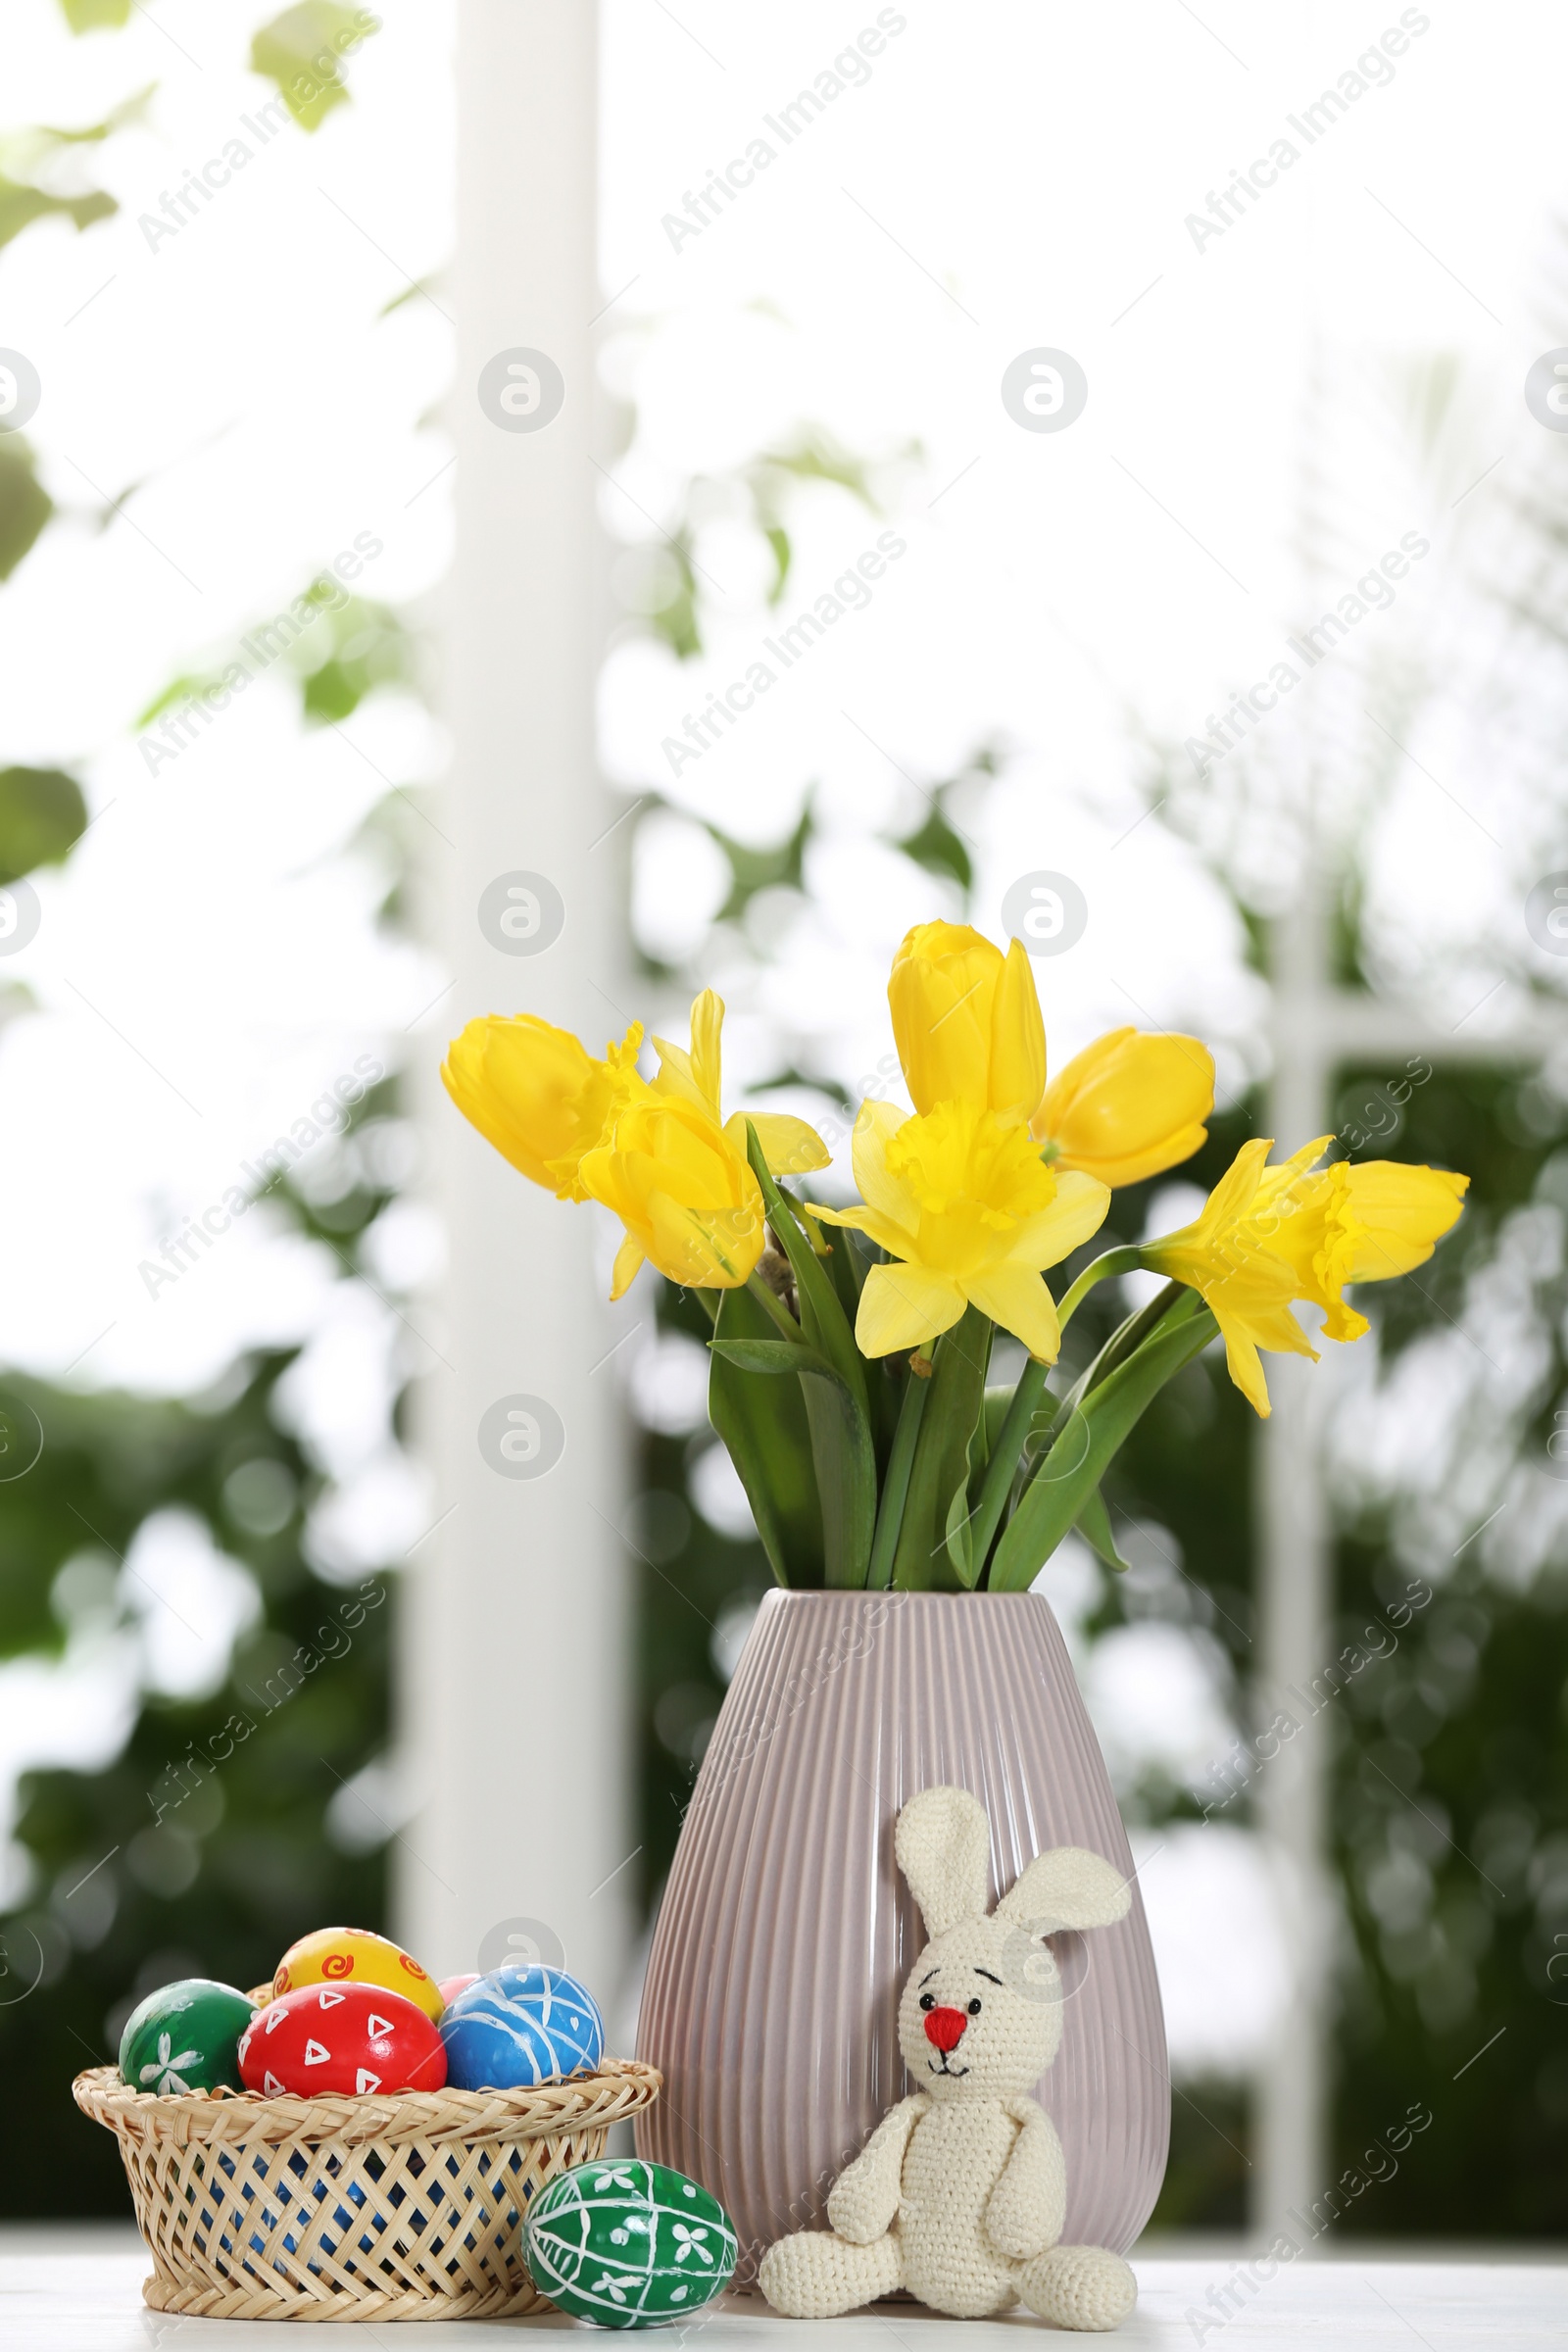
[629, 2245]
[185, 2036]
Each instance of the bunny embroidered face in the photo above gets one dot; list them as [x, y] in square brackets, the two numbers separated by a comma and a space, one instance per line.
[981, 2012]
[968, 2022]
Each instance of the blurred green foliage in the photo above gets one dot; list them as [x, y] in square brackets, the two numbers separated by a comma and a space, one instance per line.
[1450, 1804]
[22, 153]
[205, 1848]
[303, 51]
[21, 206]
[96, 15]
[670, 591]
[26, 505]
[42, 815]
[345, 648]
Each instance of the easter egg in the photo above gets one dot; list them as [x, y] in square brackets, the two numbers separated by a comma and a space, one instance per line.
[450, 1986]
[629, 2245]
[521, 2026]
[353, 1955]
[185, 2036]
[359, 2039]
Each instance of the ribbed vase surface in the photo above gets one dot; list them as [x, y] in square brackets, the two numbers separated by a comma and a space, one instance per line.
[786, 1931]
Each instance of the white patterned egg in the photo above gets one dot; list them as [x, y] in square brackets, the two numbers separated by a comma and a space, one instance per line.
[519, 2027]
[628, 2243]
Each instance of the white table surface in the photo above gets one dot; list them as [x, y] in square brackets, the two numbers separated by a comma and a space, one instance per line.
[80, 2290]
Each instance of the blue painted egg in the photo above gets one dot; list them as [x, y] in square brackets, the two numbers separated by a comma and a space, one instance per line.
[519, 2027]
[625, 2244]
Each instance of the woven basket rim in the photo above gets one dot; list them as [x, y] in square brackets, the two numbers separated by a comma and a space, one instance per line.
[619, 2086]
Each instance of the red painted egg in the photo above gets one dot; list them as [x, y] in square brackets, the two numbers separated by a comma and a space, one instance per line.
[359, 2039]
[450, 1986]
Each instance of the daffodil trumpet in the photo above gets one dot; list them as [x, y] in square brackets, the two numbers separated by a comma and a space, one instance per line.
[850, 1341]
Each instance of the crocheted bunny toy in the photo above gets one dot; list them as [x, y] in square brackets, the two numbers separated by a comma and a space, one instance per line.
[960, 2192]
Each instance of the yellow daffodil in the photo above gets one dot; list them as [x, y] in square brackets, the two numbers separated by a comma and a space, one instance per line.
[533, 1092]
[1248, 1286]
[1267, 1236]
[789, 1146]
[1128, 1107]
[1356, 1221]
[959, 1197]
[686, 1195]
[966, 1021]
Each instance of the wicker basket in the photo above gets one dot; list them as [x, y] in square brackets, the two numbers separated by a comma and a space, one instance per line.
[399, 2208]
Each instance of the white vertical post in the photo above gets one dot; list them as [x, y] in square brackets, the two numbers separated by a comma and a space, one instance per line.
[1290, 2140]
[513, 1672]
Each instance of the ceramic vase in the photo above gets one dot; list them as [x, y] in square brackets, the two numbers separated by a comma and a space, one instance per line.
[786, 1931]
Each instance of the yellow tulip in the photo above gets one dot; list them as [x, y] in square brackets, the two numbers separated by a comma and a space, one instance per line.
[959, 1197]
[686, 1195]
[1267, 1236]
[789, 1146]
[966, 1021]
[1128, 1107]
[533, 1092]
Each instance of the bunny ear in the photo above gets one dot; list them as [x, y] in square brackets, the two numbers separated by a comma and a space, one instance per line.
[1067, 1888]
[943, 1842]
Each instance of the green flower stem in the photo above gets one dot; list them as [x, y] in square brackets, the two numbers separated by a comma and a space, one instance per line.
[1173, 1304]
[769, 1299]
[896, 1485]
[1111, 1261]
[1137, 1327]
[998, 1480]
[1005, 1453]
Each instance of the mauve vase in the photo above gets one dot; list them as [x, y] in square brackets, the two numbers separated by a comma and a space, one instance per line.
[786, 1932]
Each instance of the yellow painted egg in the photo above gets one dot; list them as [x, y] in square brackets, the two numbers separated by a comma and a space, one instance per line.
[355, 1956]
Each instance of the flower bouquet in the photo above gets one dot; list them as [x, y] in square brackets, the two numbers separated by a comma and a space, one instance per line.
[851, 1346]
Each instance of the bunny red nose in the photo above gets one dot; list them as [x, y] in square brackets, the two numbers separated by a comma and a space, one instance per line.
[945, 2027]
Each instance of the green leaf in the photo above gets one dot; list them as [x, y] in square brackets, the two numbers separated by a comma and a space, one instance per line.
[349, 652]
[778, 539]
[930, 1556]
[418, 289]
[823, 1318]
[938, 847]
[94, 16]
[814, 457]
[21, 206]
[1094, 1525]
[775, 865]
[674, 617]
[887, 1379]
[41, 815]
[183, 689]
[340, 652]
[26, 505]
[768, 1438]
[1087, 1439]
[896, 1483]
[837, 1408]
[303, 52]
[44, 138]
[846, 1473]
[997, 1405]
[771, 1356]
